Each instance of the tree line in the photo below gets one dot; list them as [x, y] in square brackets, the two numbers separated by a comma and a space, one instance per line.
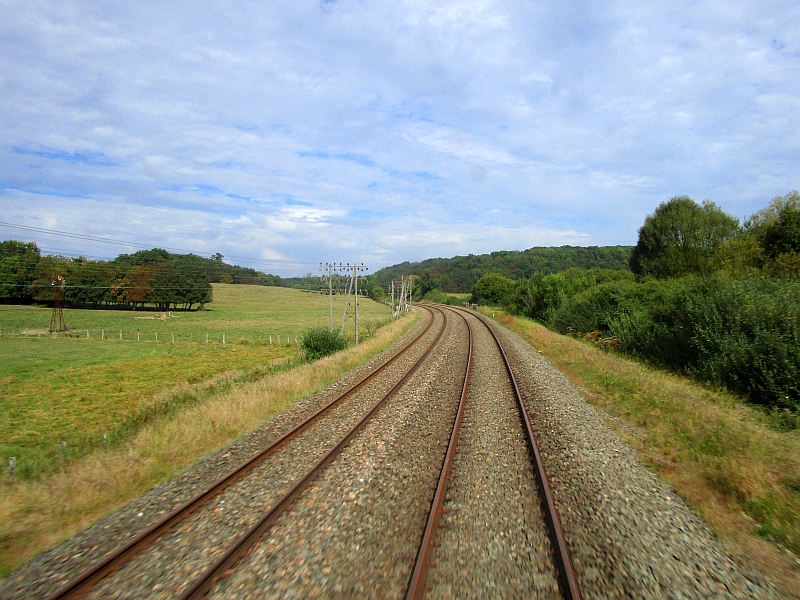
[148, 277]
[705, 296]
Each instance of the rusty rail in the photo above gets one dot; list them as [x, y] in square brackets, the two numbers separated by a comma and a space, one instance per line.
[566, 571]
[416, 586]
[80, 585]
[203, 585]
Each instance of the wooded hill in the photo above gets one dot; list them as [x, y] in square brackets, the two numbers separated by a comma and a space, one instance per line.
[459, 274]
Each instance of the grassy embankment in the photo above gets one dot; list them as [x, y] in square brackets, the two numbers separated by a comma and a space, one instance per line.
[73, 389]
[719, 453]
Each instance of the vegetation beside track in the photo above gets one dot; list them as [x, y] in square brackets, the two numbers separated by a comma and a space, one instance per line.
[723, 455]
[73, 389]
[36, 514]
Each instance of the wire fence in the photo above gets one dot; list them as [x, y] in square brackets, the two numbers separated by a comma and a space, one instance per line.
[155, 335]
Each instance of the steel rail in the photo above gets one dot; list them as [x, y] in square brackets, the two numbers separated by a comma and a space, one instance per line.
[221, 568]
[567, 577]
[419, 576]
[81, 584]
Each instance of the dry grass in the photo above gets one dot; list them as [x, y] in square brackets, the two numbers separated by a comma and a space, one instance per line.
[720, 454]
[35, 516]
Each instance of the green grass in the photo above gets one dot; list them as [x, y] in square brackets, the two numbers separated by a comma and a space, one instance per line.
[73, 389]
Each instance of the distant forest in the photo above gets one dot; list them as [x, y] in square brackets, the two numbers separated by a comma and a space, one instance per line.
[148, 277]
[459, 274]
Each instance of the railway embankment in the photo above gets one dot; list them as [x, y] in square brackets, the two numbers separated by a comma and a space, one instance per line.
[730, 462]
[353, 523]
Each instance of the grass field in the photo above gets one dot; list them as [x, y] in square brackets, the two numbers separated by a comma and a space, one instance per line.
[73, 389]
[719, 453]
[38, 513]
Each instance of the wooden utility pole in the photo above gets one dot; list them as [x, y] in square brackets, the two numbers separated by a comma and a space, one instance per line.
[330, 267]
[355, 277]
[352, 288]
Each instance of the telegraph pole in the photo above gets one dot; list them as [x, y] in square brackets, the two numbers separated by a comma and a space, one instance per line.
[352, 288]
[355, 276]
[356, 269]
[330, 267]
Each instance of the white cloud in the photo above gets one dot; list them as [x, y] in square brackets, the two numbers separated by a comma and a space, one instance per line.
[455, 126]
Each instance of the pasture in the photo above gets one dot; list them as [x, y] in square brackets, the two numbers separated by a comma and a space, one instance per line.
[97, 390]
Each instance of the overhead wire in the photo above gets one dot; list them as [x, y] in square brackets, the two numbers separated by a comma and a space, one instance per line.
[139, 245]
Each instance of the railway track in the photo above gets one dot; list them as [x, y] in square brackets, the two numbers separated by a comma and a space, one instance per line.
[81, 585]
[447, 478]
[568, 582]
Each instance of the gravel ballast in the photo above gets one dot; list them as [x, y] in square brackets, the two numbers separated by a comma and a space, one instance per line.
[53, 569]
[629, 533]
[493, 540]
[354, 532]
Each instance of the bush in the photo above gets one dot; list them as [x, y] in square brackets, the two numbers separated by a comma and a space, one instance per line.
[541, 296]
[746, 335]
[592, 309]
[319, 342]
[493, 289]
[742, 334]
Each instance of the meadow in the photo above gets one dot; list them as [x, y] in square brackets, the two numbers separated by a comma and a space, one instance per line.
[96, 390]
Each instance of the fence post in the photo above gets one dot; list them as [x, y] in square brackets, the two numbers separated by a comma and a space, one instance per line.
[223, 338]
[120, 334]
[206, 338]
[102, 334]
[12, 465]
[156, 335]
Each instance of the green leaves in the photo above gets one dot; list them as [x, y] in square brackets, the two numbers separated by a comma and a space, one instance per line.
[681, 237]
[319, 342]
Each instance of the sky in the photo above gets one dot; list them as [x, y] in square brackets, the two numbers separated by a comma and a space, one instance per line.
[283, 134]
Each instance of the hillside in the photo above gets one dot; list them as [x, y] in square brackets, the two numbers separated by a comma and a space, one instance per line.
[458, 274]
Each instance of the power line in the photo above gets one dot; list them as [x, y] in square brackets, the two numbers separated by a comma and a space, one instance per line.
[92, 238]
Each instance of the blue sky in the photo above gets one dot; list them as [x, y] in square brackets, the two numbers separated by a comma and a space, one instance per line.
[282, 134]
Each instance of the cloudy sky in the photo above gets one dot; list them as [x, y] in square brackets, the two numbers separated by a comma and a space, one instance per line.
[286, 133]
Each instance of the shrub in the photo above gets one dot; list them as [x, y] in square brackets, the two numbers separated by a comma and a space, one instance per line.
[746, 335]
[319, 342]
[593, 308]
[493, 289]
